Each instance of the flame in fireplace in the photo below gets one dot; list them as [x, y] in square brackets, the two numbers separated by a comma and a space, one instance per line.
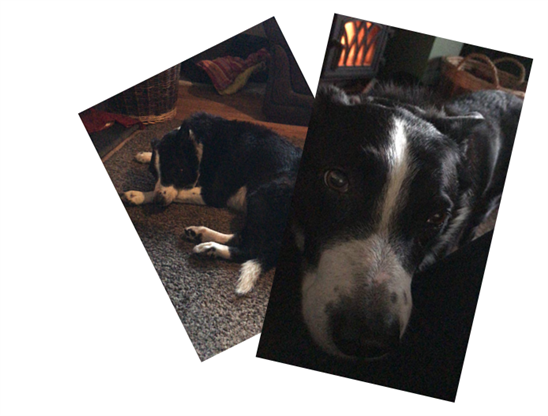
[358, 43]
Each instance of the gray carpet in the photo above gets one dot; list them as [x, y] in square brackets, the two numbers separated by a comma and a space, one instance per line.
[202, 290]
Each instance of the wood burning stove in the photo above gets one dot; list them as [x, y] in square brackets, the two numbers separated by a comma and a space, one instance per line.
[355, 49]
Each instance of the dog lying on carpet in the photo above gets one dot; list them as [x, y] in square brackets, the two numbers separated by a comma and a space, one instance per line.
[220, 163]
[389, 182]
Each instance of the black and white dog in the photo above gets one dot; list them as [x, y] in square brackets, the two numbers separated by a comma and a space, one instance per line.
[389, 182]
[226, 163]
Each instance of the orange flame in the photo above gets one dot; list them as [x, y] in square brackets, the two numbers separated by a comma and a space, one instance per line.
[356, 51]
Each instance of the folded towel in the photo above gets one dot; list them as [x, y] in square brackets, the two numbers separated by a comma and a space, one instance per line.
[229, 74]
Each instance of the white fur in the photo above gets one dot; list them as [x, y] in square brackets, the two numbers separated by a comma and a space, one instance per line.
[190, 196]
[200, 152]
[138, 197]
[207, 234]
[237, 201]
[348, 267]
[143, 157]
[249, 274]
[169, 193]
[213, 249]
[400, 165]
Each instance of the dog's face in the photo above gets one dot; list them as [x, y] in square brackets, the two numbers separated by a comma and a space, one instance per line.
[175, 163]
[379, 192]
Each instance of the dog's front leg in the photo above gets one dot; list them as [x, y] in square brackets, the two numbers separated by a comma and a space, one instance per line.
[185, 196]
[190, 196]
[137, 197]
[204, 235]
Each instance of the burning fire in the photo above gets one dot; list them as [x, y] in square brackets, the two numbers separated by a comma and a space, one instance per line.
[358, 44]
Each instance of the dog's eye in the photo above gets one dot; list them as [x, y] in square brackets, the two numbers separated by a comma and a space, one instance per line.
[336, 180]
[438, 218]
[432, 227]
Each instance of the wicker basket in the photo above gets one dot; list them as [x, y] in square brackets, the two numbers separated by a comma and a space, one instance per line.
[151, 101]
[477, 72]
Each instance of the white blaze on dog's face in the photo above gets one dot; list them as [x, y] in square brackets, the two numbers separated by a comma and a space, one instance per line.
[368, 212]
[175, 163]
[165, 194]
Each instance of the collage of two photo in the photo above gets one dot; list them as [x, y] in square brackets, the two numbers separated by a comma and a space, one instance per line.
[349, 226]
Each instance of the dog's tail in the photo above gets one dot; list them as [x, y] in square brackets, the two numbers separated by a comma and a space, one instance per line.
[250, 272]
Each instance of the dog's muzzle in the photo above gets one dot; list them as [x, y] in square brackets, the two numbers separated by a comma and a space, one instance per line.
[357, 301]
[164, 195]
[160, 199]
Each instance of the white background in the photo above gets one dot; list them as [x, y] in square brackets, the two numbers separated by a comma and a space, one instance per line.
[86, 326]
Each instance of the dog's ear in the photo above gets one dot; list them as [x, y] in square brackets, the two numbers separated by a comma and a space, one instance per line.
[328, 97]
[186, 137]
[334, 94]
[391, 104]
[458, 127]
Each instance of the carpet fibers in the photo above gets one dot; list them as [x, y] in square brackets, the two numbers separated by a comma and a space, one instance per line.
[202, 290]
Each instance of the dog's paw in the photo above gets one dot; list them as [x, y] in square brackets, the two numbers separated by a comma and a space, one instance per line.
[143, 157]
[194, 234]
[206, 249]
[133, 197]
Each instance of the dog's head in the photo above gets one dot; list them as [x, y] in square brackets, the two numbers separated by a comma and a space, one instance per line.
[381, 190]
[175, 163]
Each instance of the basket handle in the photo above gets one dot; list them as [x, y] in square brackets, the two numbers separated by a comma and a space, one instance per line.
[521, 76]
[481, 57]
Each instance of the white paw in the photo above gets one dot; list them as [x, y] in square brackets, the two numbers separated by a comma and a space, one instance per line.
[143, 157]
[206, 249]
[195, 234]
[133, 197]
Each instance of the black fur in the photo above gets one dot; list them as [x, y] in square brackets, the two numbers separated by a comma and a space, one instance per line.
[237, 154]
[460, 151]
[469, 158]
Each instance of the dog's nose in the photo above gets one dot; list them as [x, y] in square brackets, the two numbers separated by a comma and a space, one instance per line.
[366, 336]
[160, 199]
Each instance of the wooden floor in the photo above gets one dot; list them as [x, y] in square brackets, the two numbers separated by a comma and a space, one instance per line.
[245, 105]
